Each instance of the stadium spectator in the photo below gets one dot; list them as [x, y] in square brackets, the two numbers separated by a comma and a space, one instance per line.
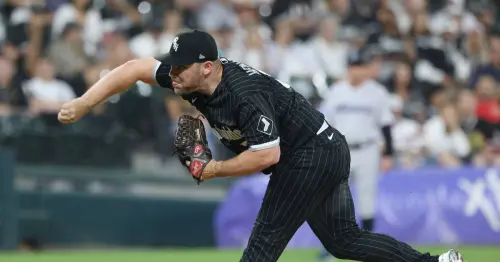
[249, 20]
[224, 38]
[406, 87]
[493, 67]
[252, 52]
[6, 74]
[123, 16]
[428, 49]
[330, 53]
[150, 43]
[158, 35]
[357, 19]
[46, 93]
[172, 24]
[432, 68]
[406, 12]
[69, 59]
[216, 14]
[389, 41]
[453, 20]
[81, 12]
[470, 123]
[67, 54]
[480, 132]
[444, 138]
[476, 49]
[487, 91]
[408, 137]
[279, 48]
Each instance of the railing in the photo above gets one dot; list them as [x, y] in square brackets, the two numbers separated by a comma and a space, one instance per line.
[68, 206]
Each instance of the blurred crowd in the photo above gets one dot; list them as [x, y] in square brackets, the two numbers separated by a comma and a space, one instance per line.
[439, 59]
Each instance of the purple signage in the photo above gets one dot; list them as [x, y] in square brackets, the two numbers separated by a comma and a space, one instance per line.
[431, 206]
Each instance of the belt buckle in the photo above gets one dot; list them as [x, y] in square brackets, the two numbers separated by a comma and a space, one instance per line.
[355, 146]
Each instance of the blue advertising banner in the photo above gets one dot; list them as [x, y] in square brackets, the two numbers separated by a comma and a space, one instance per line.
[432, 206]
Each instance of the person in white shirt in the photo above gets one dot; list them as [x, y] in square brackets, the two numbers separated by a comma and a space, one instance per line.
[330, 53]
[81, 12]
[359, 107]
[445, 140]
[454, 19]
[158, 37]
[407, 135]
[253, 52]
[46, 94]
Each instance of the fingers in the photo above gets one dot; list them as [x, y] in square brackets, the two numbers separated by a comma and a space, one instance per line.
[64, 118]
[66, 115]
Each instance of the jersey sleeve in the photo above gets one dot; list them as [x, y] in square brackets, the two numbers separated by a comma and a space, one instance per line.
[258, 122]
[161, 75]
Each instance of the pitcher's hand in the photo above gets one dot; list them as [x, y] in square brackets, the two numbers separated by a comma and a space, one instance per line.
[73, 110]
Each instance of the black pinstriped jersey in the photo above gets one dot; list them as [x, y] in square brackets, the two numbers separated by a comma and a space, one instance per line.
[251, 110]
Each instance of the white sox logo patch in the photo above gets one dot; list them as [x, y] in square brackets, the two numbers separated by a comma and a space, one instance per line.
[175, 45]
[265, 125]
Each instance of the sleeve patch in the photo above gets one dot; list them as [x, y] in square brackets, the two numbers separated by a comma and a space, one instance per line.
[265, 125]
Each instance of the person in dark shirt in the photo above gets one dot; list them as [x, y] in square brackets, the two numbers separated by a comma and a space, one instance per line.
[493, 67]
[273, 129]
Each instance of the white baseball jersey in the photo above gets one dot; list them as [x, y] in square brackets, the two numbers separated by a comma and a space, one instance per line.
[359, 112]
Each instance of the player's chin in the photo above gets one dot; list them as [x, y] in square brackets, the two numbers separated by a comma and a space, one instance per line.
[183, 91]
[178, 89]
[180, 92]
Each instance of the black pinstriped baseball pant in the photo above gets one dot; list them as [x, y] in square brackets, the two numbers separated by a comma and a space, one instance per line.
[312, 185]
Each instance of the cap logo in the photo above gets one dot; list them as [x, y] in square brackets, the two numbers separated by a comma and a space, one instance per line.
[201, 56]
[354, 56]
[175, 45]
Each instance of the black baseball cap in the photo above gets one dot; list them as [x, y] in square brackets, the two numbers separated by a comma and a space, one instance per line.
[194, 46]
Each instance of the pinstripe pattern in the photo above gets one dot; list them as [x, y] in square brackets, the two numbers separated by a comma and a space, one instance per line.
[313, 186]
[310, 181]
[248, 93]
[242, 96]
[291, 195]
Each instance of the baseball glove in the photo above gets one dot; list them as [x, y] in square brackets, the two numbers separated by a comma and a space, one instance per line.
[192, 146]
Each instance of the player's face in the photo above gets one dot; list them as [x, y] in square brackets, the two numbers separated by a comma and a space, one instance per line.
[185, 79]
[373, 68]
[357, 72]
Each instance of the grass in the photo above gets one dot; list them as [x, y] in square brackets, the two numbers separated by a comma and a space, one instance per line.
[471, 254]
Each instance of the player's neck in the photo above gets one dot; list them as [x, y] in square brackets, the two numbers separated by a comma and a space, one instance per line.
[356, 82]
[212, 82]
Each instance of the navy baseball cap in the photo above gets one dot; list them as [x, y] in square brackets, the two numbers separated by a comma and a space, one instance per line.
[355, 58]
[190, 47]
[363, 56]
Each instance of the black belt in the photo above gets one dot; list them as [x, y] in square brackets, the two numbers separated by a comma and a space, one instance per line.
[357, 146]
